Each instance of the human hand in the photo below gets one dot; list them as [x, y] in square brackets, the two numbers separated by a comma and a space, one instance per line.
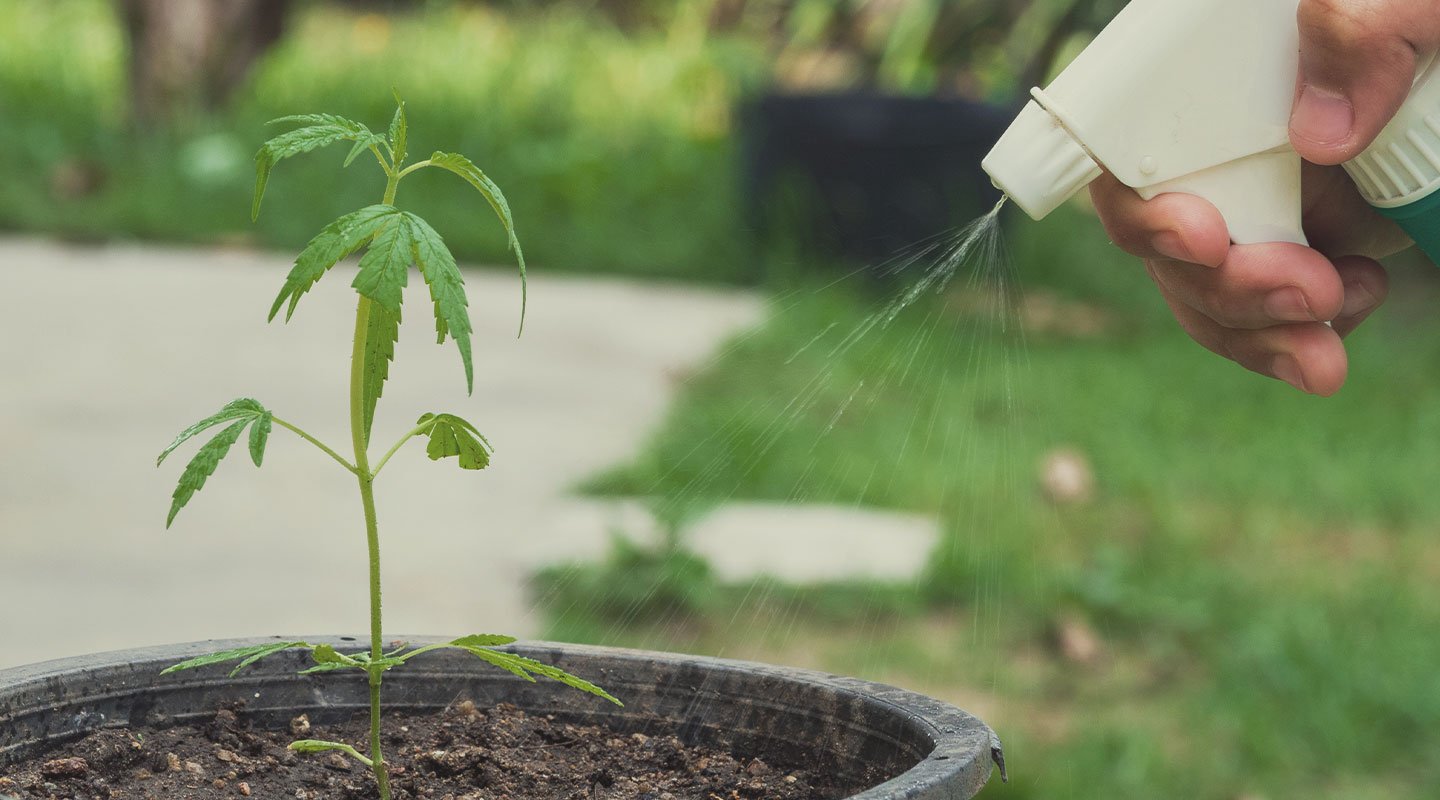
[1265, 305]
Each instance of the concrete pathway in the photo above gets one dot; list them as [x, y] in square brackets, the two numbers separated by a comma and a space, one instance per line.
[106, 352]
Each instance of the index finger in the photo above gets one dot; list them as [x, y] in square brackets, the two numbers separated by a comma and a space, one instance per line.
[1179, 227]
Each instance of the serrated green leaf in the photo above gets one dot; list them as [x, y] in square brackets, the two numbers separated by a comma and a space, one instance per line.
[336, 241]
[202, 466]
[462, 166]
[327, 654]
[304, 140]
[239, 413]
[360, 147]
[263, 164]
[328, 659]
[382, 331]
[399, 132]
[527, 668]
[452, 436]
[319, 130]
[502, 660]
[483, 640]
[324, 120]
[315, 746]
[573, 681]
[249, 655]
[447, 290]
[259, 436]
[384, 269]
[252, 659]
[326, 668]
[243, 408]
[383, 274]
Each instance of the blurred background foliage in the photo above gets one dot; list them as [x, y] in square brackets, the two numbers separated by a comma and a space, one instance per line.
[591, 111]
[1239, 603]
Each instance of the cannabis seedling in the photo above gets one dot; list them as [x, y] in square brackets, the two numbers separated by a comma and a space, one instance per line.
[392, 240]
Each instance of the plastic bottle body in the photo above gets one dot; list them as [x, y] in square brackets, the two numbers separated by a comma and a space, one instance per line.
[1173, 96]
[1399, 174]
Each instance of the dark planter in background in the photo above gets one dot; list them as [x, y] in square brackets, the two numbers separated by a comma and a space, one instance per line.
[935, 751]
[862, 175]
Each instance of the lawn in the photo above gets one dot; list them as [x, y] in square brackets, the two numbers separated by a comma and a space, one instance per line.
[1245, 608]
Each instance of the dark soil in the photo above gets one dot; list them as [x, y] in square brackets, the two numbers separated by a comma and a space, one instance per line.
[464, 753]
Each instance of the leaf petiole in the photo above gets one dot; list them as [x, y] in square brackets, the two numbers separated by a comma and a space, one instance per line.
[415, 431]
[312, 440]
[413, 167]
[245, 655]
[385, 165]
[465, 643]
[426, 649]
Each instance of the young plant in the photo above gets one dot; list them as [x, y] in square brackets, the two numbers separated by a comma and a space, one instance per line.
[393, 240]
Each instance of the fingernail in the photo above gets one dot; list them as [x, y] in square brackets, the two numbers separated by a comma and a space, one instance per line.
[1288, 305]
[1287, 369]
[1358, 300]
[1322, 117]
[1171, 245]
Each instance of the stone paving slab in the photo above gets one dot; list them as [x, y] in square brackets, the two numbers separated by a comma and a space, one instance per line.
[799, 544]
[106, 352]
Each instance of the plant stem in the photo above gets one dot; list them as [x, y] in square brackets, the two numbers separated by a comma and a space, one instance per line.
[312, 440]
[360, 439]
[372, 535]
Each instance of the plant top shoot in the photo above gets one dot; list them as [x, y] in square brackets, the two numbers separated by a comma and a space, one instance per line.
[392, 241]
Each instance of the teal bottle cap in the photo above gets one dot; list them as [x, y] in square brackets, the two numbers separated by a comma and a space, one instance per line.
[1420, 219]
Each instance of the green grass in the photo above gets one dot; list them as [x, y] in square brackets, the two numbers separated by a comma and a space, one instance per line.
[1260, 565]
[592, 133]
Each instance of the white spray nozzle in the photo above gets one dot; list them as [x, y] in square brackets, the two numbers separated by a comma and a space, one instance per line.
[1173, 96]
[1038, 163]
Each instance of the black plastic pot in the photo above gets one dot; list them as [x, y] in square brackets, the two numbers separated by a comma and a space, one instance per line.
[936, 751]
[861, 175]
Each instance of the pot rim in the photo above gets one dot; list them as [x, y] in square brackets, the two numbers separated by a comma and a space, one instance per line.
[956, 737]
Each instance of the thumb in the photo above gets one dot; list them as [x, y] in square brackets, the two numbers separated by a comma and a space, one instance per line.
[1357, 63]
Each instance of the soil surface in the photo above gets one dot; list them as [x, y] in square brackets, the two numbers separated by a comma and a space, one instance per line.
[464, 753]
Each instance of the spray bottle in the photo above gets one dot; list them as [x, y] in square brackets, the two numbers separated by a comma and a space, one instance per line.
[1195, 97]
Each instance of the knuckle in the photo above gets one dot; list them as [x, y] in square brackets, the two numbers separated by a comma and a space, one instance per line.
[1337, 20]
[1244, 349]
[1358, 27]
[1223, 306]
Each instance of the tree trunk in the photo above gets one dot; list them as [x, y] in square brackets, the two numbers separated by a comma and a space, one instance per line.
[190, 55]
